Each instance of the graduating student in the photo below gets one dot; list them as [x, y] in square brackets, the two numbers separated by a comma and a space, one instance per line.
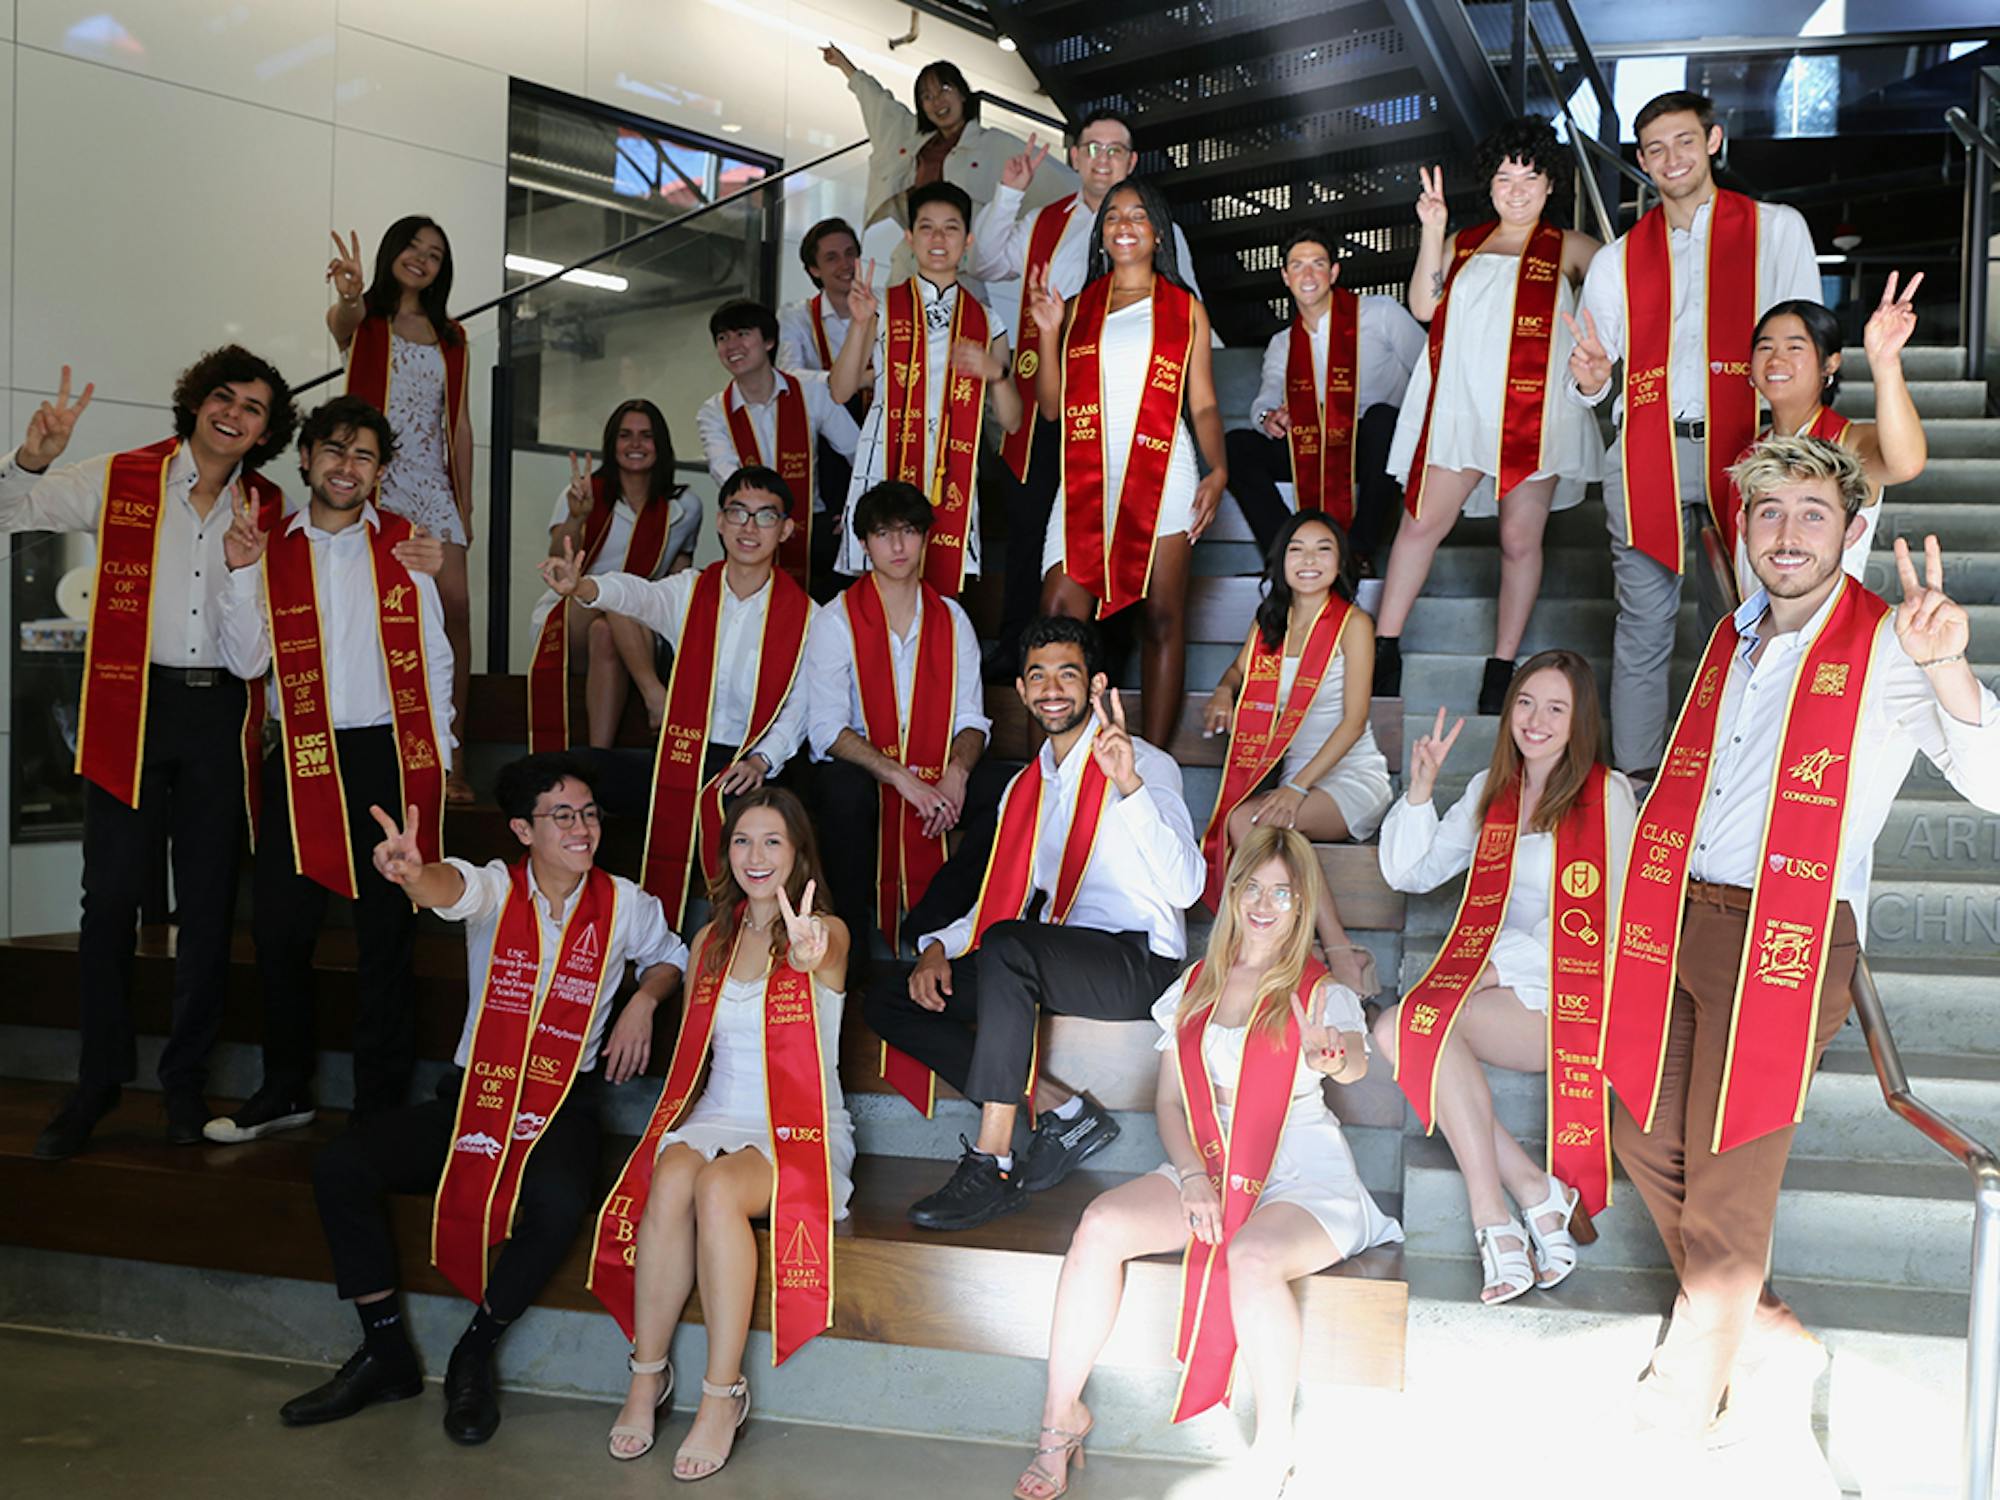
[166, 737]
[894, 714]
[1248, 1035]
[779, 420]
[939, 358]
[1011, 241]
[1739, 925]
[732, 720]
[629, 515]
[355, 647]
[509, 1152]
[1096, 825]
[1676, 298]
[1297, 693]
[407, 359]
[1326, 404]
[1544, 830]
[1483, 429]
[1119, 365]
[811, 331]
[766, 1136]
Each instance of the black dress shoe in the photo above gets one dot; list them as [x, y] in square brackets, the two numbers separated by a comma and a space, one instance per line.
[1061, 1146]
[187, 1113]
[364, 1380]
[471, 1405]
[978, 1193]
[1493, 687]
[69, 1131]
[1388, 667]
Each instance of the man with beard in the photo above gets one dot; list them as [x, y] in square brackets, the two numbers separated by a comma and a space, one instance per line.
[1095, 832]
[1738, 927]
[361, 669]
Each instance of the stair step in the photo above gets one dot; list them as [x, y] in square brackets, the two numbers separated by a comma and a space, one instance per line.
[1920, 362]
[1934, 398]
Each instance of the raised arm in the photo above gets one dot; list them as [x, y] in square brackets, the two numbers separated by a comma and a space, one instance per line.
[398, 861]
[1433, 246]
[1892, 448]
[344, 272]
[34, 499]
[850, 365]
[1046, 312]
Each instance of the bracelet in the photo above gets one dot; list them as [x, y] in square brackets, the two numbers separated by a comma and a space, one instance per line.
[1294, 786]
[1188, 1174]
[1942, 661]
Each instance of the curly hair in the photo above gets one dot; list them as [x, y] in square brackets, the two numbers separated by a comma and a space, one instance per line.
[348, 414]
[1532, 142]
[232, 364]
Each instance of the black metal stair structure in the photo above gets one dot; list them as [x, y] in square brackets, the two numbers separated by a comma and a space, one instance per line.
[1257, 115]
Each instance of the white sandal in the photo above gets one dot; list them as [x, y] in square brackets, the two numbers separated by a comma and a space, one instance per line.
[1555, 1249]
[643, 1367]
[741, 1390]
[1504, 1267]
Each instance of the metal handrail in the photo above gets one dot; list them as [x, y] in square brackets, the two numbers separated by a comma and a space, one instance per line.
[1607, 225]
[1982, 1342]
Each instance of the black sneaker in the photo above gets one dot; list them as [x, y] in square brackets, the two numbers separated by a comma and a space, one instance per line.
[1388, 666]
[1493, 687]
[978, 1193]
[265, 1112]
[187, 1117]
[69, 1132]
[1061, 1146]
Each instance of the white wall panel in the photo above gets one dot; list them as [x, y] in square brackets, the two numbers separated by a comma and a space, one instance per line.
[7, 51]
[205, 221]
[542, 41]
[47, 894]
[277, 53]
[388, 89]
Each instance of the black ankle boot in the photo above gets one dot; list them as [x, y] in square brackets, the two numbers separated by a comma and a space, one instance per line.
[1388, 666]
[1493, 688]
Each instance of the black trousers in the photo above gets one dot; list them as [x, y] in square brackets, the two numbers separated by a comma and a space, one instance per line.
[982, 1041]
[404, 1150]
[832, 474]
[290, 912]
[1027, 508]
[1257, 465]
[191, 804]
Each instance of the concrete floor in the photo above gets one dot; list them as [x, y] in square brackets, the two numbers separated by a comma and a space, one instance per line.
[82, 1418]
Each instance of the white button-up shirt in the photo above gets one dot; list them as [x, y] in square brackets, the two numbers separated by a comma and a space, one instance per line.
[798, 349]
[825, 418]
[681, 528]
[662, 605]
[1146, 868]
[357, 685]
[1388, 344]
[1900, 715]
[639, 936]
[189, 575]
[833, 691]
[1786, 269]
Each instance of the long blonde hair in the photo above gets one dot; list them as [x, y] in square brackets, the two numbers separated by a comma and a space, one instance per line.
[1280, 979]
[726, 897]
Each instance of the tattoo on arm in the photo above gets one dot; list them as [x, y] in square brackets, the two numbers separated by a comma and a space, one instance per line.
[1437, 283]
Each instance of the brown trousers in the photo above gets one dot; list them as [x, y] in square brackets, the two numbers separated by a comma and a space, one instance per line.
[1714, 1212]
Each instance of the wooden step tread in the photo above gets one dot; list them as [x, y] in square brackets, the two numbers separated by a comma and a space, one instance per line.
[250, 1209]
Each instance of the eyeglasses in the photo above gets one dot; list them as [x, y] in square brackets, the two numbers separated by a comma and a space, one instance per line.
[567, 817]
[1281, 895]
[937, 90]
[1111, 150]
[763, 518]
[902, 532]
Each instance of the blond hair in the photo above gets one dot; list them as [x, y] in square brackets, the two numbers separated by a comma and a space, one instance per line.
[1280, 979]
[1777, 459]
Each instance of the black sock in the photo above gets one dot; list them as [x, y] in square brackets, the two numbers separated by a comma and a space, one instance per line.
[382, 1330]
[482, 1334]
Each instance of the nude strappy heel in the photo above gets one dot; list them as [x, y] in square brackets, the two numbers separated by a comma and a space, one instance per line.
[740, 1390]
[646, 1436]
[1070, 1445]
[1504, 1267]
[1555, 1249]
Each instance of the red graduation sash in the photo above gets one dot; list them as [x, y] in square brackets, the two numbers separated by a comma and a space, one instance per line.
[1579, 1150]
[369, 373]
[1113, 559]
[1237, 1162]
[1790, 925]
[905, 860]
[527, 1047]
[322, 845]
[793, 461]
[1017, 448]
[1322, 435]
[801, 1176]
[548, 669]
[1259, 735]
[1651, 465]
[1008, 883]
[1530, 346]
[682, 798]
[948, 485]
[813, 312]
[118, 649]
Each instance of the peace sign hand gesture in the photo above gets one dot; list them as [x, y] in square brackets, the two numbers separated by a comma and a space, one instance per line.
[1321, 1047]
[580, 495]
[1044, 306]
[244, 542]
[1892, 322]
[1111, 747]
[1589, 361]
[397, 858]
[804, 929]
[344, 270]
[564, 574]
[50, 427]
[1427, 759]
[1928, 623]
[862, 303]
[1432, 211]
[1019, 170]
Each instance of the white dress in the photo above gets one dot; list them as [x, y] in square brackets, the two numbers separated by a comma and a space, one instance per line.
[1359, 780]
[681, 528]
[1313, 1167]
[1420, 852]
[417, 483]
[1472, 372]
[1126, 354]
[731, 1113]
